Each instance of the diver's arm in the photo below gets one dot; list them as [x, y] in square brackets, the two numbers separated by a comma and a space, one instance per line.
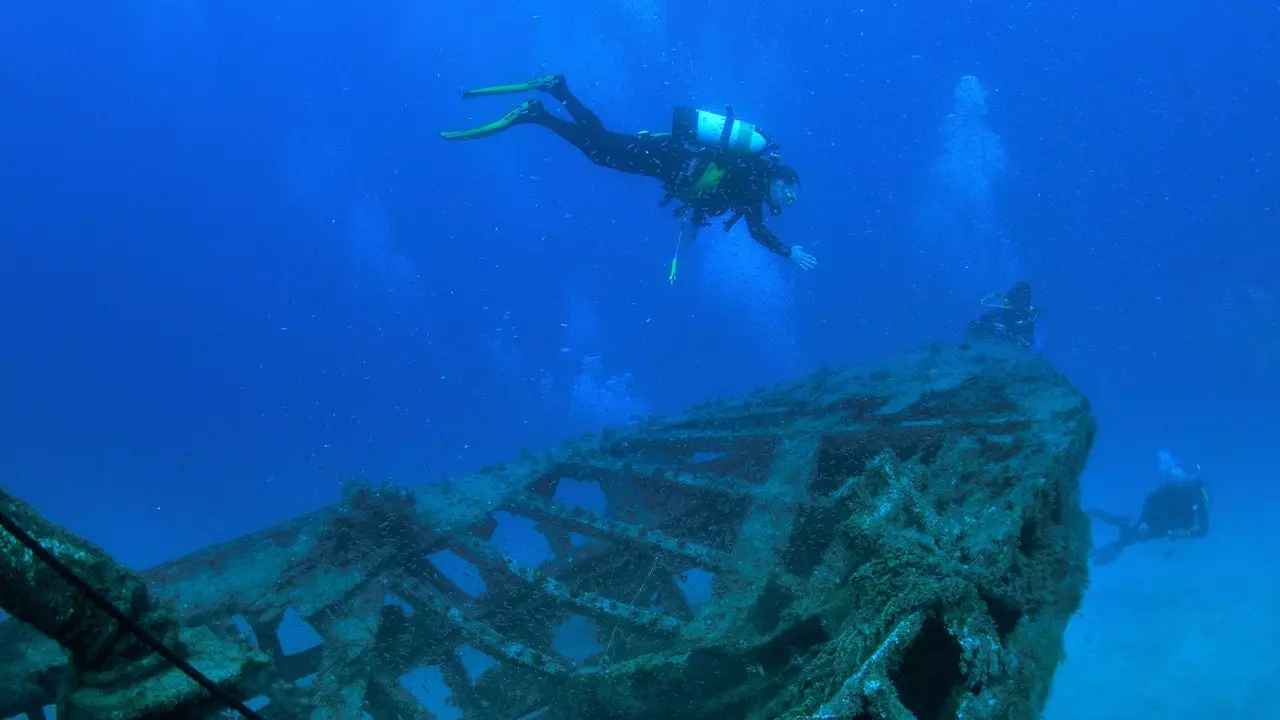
[688, 232]
[689, 229]
[762, 234]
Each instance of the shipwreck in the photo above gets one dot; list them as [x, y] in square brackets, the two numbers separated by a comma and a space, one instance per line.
[901, 541]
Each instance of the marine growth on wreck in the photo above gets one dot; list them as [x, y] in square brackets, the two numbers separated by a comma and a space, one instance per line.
[891, 542]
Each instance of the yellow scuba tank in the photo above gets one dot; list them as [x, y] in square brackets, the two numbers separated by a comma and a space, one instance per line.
[712, 130]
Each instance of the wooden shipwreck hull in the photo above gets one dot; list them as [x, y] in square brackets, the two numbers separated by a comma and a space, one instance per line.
[900, 541]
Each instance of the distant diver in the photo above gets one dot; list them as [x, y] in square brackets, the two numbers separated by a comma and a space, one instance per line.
[1178, 509]
[1011, 317]
[713, 164]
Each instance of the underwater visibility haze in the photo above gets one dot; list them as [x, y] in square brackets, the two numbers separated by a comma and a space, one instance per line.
[241, 268]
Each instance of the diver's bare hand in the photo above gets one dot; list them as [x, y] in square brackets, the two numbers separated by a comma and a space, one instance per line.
[802, 258]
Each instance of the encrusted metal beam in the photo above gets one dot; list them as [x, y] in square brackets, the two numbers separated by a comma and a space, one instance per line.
[591, 603]
[620, 531]
[422, 596]
[606, 470]
[871, 678]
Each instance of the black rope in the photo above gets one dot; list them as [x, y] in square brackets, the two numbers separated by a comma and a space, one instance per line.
[127, 622]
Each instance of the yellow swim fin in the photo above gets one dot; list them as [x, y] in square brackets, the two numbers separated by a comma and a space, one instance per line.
[545, 83]
[518, 113]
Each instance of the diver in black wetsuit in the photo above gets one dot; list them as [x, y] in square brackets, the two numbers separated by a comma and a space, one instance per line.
[1012, 317]
[1176, 510]
[714, 165]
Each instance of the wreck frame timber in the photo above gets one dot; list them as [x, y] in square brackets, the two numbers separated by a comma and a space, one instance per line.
[898, 541]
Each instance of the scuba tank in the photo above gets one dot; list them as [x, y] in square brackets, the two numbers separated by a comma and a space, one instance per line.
[702, 130]
[712, 130]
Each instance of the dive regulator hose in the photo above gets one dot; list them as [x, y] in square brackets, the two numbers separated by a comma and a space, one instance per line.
[146, 638]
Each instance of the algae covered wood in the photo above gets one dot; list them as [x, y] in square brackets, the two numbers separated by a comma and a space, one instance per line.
[897, 541]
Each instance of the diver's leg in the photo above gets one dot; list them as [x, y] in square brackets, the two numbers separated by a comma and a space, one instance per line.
[655, 156]
[647, 155]
[558, 88]
[554, 85]
[525, 112]
[542, 83]
[1108, 518]
[1128, 535]
[1108, 553]
[601, 146]
[612, 150]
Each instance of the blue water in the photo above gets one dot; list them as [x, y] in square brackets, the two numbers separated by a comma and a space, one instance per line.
[238, 266]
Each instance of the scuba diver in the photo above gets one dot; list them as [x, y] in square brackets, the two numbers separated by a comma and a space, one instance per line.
[1178, 509]
[713, 164]
[1012, 317]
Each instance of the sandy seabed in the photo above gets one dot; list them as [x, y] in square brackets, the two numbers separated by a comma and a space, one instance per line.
[1186, 630]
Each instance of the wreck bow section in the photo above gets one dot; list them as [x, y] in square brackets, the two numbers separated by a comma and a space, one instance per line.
[901, 541]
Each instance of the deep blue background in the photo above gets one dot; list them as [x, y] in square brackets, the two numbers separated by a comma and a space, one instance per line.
[238, 266]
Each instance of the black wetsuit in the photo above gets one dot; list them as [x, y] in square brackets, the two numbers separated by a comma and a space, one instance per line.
[742, 190]
[1013, 324]
[1013, 320]
[1177, 509]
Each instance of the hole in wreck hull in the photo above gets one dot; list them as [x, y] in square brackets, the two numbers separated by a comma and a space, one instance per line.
[790, 645]
[929, 680]
[813, 534]
[769, 608]
[1005, 614]
[1029, 538]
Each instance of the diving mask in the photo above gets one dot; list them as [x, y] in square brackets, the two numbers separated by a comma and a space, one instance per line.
[782, 192]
